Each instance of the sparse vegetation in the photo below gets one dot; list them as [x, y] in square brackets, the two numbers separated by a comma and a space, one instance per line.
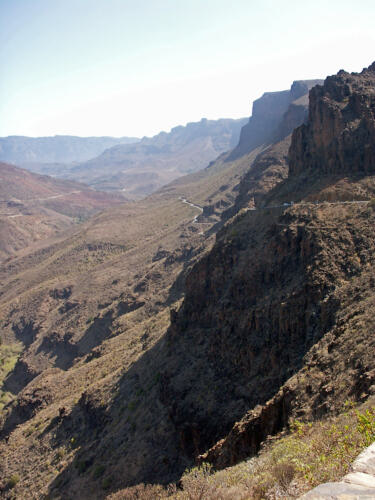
[61, 452]
[8, 359]
[313, 453]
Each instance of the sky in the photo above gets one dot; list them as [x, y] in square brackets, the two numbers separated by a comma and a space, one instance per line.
[137, 67]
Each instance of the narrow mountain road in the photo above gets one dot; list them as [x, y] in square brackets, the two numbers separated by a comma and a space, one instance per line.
[184, 200]
[283, 205]
[52, 197]
[315, 203]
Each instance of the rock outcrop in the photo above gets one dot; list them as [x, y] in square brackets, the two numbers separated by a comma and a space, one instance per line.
[339, 136]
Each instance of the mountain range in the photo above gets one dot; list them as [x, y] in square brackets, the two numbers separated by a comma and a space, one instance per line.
[205, 321]
[39, 153]
[128, 166]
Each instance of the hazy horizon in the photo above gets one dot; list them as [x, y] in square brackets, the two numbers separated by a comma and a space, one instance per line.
[121, 136]
[123, 68]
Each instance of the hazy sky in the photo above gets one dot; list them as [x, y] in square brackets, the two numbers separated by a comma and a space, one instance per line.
[135, 67]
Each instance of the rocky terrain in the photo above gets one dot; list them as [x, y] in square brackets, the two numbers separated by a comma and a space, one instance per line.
[159, 334]
[329, 364]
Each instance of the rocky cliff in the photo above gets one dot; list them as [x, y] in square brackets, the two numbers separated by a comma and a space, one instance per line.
[327, 333]
[268, 111]
[340, 134]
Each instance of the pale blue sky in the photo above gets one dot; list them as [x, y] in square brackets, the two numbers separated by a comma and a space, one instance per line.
[127, 67]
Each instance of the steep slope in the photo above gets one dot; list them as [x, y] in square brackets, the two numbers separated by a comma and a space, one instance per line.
[142, 168]
[35, 207]
[103, 385]
[36, 152]
[322, 330]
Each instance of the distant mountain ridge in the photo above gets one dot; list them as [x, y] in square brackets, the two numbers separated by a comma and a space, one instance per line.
[141, 168]
[22, 150]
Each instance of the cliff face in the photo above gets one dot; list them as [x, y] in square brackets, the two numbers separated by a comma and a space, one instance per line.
[269, 110]
[331, 274]
[275, 116]
[340, 134]
[278, 309]
[254, 307]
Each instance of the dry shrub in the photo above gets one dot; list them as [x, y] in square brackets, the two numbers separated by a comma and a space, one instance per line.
[140, 492]
[258, 492]
[195, 483]
[283, 474]
[200, 483]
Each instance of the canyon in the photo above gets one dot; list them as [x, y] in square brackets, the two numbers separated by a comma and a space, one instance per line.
[159, 334]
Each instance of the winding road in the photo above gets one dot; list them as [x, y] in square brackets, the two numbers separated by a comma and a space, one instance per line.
[184, 200]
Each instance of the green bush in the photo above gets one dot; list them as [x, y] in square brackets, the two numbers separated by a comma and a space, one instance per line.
[99, 471]
[13, 480]
[106, 483]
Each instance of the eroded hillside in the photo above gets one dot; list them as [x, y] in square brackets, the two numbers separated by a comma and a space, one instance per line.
[35, 207]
